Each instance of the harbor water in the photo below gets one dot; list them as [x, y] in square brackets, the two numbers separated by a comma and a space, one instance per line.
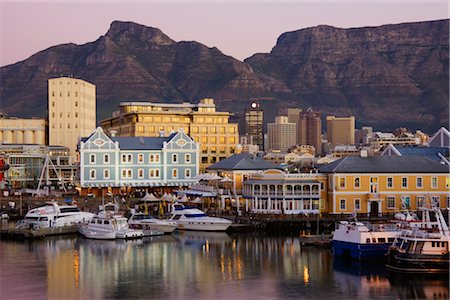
[197, 265]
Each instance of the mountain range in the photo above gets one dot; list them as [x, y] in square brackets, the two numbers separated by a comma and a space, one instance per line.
[386, 76]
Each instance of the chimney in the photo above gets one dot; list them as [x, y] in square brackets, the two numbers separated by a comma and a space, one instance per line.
[113, 133]
[161, 134]
[141, 140]
[363, 153]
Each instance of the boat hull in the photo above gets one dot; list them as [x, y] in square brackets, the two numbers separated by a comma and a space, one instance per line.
[359, 251]
[200, 226]
[417, 263]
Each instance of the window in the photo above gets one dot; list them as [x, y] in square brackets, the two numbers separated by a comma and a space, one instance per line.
[342, 182]
[130, 173]
[187, 158]
[448, 201]
[419, 182]
[187, 173]
[204, 159]
[404, 182]
[434, 182]
[92, 159]
[357, 183]
[435, 201]
[156, 173]
[105, 174]
[106, 158]
[391, 202]
[343, 204]
[76, 103]
[92, 174]
[151, 173]
[124, 173]
[127, 173]
[141, 173]
[126, 158]
[406, 202]
[156, 157]
[390, 182]
[175, 173]
[174, 158]
[420, 201]
[151, 158]
[357, 204]
[140, 158]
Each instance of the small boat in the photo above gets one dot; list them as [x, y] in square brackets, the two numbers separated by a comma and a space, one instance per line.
[53, 215]
[424, 249]
[108, 225]
[150, 225]
[359, 241]
[190, 218]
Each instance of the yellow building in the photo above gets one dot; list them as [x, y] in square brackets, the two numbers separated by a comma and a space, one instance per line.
[71, 111]
[210, 128]
[385, 184]
[341, 131]
[22, 131]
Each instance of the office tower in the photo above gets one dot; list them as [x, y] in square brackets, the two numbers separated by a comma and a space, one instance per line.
[310, 129]
[341, 131]
[293, 115]
[282, 134]
[218, 139]
[71, 111]
[254, 124]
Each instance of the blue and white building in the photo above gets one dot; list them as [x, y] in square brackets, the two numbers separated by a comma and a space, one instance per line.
[110, 162]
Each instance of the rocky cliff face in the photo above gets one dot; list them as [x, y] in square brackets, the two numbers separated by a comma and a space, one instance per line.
[387, 76]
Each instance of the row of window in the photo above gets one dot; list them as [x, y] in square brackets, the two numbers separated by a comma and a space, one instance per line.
[60, 94]
[68, 115]
[389, 182]
[53, 103]
[128, 174]
[61, 125]
[128, 158]
[213, 130]
[391, 202]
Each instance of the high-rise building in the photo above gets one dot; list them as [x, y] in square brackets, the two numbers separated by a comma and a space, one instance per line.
[218, 139]
[71, 111]
[341, 131]
[293, 115]
[310, 129]
[282, 134]
[254, 125]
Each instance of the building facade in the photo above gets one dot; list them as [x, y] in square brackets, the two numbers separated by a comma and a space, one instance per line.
[254, 117]
[282, 134]
[385, 184]
[22, 131]
[276, 192]
[211, 129]
[71, 111]
[341, 131]
[293, 115]
[310, 129]
[113, 162]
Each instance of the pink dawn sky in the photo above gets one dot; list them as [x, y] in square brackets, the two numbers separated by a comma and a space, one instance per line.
[237, 28]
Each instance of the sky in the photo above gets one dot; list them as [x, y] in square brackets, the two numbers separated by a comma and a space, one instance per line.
[237, 28]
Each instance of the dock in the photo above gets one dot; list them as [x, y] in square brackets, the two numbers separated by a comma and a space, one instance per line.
[37, 233]
[319, 240]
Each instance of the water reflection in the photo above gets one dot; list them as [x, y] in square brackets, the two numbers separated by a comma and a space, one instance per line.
[195, 264]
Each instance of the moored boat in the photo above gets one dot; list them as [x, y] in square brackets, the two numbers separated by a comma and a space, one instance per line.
[107, 225]
[190, 218]
[424, 249]
[151, 225]
[53, 215]
[359, 241]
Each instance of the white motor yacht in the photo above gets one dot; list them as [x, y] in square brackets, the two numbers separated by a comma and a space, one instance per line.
[151, 225]
[107, 225]
[53, 215]
[190, 218]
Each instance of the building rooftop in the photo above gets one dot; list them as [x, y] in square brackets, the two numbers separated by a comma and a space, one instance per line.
[384, 164]
[243, 161]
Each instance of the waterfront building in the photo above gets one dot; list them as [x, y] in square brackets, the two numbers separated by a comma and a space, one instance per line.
[71, 111]
[110, 163]
[211, 129]
[310, 129]
[239, 167]
[26, 163]
[22, 131]
[302, 149]
[440, 154]
[277, 192]
[341, 131]
[254, 124]
[282, 134]
[385, 184]
[380, 140]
